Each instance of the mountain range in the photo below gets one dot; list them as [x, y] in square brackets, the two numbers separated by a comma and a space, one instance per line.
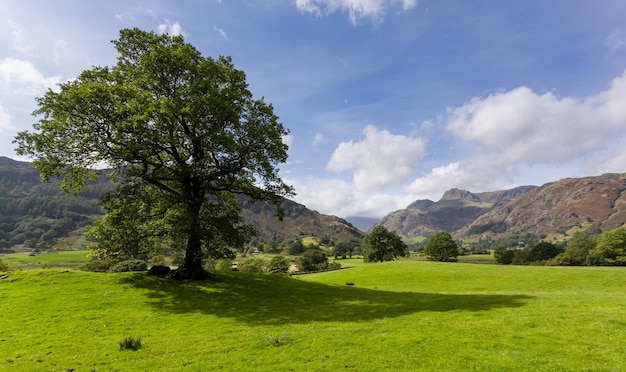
[35, 214]
[556, 210]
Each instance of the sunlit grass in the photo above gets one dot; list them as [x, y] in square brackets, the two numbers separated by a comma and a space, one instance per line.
[403, 315]
[62, 259]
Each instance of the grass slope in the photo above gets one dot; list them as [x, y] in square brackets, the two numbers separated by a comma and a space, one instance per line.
[397, 316]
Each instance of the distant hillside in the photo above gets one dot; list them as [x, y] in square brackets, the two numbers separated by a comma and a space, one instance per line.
[561, 208]
[456, 209]
[35, 214]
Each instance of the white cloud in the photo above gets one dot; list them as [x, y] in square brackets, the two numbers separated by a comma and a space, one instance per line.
[221, 32]
[520, 132]
[380, 159]
[5, 120]
[131, 15]
[521, 125]
[171, 28]
[23, 78]
[356, 9]
[339, 198]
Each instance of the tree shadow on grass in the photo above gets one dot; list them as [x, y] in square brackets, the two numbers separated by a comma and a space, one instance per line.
[277, 299]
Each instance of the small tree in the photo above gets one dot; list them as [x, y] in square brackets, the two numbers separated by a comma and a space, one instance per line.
[577, 250]
[278, 264]
[313, 260]
[441, 247]
[543, 251]
[610, 249]
[503, 255]
[383, 245]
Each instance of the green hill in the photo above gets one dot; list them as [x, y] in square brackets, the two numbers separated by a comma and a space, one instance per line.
[35, 215]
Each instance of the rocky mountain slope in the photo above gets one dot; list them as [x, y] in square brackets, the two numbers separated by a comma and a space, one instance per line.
[456, 209]
[589, 204]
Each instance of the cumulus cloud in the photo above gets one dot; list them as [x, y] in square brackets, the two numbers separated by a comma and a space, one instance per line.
[23, 78]
[520, 130]
[5, 120]
[171, 28]
[379, 160]
[356, 9]
[338, 197]
[521, 125]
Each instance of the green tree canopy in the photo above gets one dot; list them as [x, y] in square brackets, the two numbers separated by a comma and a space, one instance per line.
[610, 248]
[184, 135]
[383, 245]
[578, 248]
[503, 255]
[441, 247]
[544, 251]
[313, 260]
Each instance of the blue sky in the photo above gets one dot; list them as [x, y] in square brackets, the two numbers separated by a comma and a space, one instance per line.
[387, 101]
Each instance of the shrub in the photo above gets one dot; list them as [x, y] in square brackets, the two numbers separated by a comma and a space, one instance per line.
[130, 343]
[4, 266]
[128, 265]
[277, 340]
[224, 265]
[521, 257]
[252, 265]
[279, 264]
[503, 255]
[313, 260]
[99, 265]
[334, 266]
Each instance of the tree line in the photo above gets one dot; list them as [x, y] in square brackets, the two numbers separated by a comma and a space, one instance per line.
[605, 249]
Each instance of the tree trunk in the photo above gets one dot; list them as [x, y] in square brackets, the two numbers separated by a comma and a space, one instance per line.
[193, 258]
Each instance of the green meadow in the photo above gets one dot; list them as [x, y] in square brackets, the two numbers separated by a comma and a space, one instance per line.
[403, 315]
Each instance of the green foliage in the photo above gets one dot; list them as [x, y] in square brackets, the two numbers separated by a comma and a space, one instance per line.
[313, 260]
[275, 340]
[183, 133]
[224, 265]
[503, 255]
[610, 248]
[128, 266]
[521, 257]
[99, 265]
[130, 343]
[577, 250]
[345, 249]
[252, 265]
[441, 247]
[543, 251]
[4, 266]
[295, 247]
[278, 264]
[383, 245]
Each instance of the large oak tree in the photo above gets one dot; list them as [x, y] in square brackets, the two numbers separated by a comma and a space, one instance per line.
[184, 136]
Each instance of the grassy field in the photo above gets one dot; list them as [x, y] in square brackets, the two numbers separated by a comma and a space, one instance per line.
[62, 259]
[404, 315]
